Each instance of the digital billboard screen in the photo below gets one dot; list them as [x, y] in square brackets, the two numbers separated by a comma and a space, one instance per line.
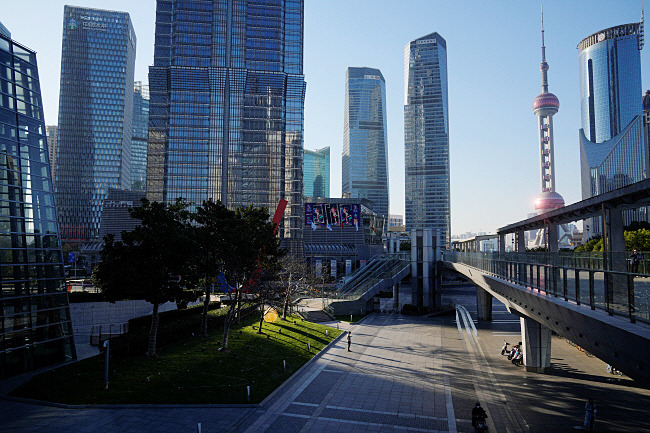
[340, 214]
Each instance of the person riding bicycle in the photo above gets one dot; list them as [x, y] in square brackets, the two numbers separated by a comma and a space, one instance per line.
[478, 414]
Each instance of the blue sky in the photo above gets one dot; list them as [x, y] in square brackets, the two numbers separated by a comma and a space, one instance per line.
[493, 71]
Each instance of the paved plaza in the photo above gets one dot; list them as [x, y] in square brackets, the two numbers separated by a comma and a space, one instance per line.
[403, 374]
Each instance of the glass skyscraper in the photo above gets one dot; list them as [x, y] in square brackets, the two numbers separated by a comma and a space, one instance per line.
[316, 172]
[426, 135]
[140, 137]
[227, 105]
[35, 328]
[365, 142]
[95, 112]
[613, 152]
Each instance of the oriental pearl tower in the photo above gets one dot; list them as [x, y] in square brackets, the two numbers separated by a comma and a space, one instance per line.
[545, 106]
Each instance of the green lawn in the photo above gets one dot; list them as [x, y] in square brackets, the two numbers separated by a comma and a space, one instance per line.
[191, 371]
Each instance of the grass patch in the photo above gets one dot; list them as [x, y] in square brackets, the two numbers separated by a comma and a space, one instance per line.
[191, 371]
[354, 318]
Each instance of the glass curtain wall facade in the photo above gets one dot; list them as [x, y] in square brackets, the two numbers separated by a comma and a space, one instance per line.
[365, 141]
[227, 105]
[613, 152]
[52, 139]
[35, 328]
[95, 113]
[426, 136]
[316, 172]
[140, 137]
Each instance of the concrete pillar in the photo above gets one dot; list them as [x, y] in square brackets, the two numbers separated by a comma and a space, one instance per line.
[396, 297]
[483, 304]
[502, 243]
[617, 260]
[520, 242]
[391, 245]
[552, 238]
[428, 262]
[536, 345]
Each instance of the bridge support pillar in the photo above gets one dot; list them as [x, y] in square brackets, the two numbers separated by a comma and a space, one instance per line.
[537, 345]
[483, 304]
[552, 238]
[425, 257]
[396, 296]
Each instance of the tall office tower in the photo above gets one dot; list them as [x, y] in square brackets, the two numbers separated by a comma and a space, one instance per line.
[365, 141]
[612, 149]
[35, 329]
[316, 172]
[646, 119]
[227, 106]
[52, 138]
[426, 135]
[95, 111]
[140, 137]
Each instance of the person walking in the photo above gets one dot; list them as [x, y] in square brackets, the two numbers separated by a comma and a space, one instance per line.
[590, 415]
[349, 340]
[635, 259]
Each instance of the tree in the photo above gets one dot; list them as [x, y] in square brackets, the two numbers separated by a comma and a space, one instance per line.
[294, 277]
[150, 259]
[256, 250]
[215, 232]
[639, 239]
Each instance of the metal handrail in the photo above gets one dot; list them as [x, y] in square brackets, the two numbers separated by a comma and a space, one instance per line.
[555, 274]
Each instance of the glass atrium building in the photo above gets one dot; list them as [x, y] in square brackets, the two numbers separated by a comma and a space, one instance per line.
[140, 137]
[426, 136]
[227, 106]
[35, 328]
[316, 172]
[613, 152]
[365, 141]
[95, 112]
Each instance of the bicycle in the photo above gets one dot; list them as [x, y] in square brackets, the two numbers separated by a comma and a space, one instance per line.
[612, 370]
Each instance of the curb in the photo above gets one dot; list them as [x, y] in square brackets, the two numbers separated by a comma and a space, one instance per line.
[300, 370]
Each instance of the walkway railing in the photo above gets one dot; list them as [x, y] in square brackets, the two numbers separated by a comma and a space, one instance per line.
[380, 268]
[585, 279]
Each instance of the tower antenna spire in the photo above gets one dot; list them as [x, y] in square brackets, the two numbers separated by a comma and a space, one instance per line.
[544, 66]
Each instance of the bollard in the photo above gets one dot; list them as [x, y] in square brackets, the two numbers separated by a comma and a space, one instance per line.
[198, 428]
[350, 318]
[308, 347]
[284, 365]
[326, 334]
[248, 394]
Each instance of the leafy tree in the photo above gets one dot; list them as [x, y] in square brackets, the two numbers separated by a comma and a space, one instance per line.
[639, 239]
[256, 249]
[149, 260]
[594, 244]
[215, 233]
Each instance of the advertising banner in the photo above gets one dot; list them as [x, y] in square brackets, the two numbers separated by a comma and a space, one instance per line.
[319, 267]
[333, 268]
[348, 267]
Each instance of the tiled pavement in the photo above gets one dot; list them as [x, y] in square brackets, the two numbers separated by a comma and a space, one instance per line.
[403, 374]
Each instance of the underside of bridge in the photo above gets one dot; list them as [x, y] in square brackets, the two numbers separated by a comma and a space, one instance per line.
[615, 340]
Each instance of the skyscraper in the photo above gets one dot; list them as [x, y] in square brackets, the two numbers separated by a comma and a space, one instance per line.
[140, 137]
[95, 111]
[52, 139]
[365, 142]
[316, 172]
[612, 149]
[227, 105]
[35, 329]
[426, 135]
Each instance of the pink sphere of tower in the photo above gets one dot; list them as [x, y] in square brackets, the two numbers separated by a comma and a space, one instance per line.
[547, 201]
[546, 104]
